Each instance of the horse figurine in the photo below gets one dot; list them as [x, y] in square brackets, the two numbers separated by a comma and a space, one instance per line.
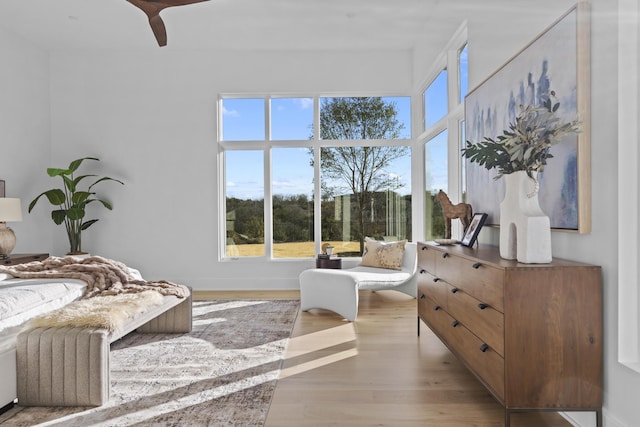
[450, 211]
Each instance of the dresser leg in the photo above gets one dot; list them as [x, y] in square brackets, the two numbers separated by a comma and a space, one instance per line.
[507, 417]
[599, 418]
[418, 325]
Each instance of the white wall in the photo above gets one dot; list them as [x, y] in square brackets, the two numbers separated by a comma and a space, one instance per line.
[24, 136]
[150, 117]
[488, 50]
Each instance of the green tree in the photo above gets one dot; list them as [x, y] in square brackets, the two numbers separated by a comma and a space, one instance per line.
[360, 169]
[247, 217]
[292, 218]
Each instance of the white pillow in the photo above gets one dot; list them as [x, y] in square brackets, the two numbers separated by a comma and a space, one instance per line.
[383, 254]
[6, 276]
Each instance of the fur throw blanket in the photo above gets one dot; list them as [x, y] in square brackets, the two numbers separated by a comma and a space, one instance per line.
[110, 312]
[103, 276]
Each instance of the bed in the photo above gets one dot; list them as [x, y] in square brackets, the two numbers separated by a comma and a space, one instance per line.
[45, 299]
[20, 301]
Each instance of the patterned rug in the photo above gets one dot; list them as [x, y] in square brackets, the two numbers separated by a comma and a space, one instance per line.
[221, 374]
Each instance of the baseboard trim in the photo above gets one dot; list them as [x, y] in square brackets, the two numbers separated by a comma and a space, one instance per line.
[588, 419]
[200, 295]
[6, 407]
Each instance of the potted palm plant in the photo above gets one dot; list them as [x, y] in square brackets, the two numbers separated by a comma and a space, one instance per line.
[71, 201]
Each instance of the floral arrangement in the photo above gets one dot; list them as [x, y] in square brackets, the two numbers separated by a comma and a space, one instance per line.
[525, 145]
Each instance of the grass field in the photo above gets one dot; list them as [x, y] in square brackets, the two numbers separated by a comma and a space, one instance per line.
[289, 250]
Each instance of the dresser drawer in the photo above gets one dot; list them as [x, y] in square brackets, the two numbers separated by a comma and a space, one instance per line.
[425, 304]
[433, 287]
[427, 257]
[482, 281]
[434, 316]
[483, 360]
[486, 363]
[480, 318]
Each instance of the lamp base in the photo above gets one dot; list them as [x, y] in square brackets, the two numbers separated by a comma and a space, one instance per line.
[7, 240]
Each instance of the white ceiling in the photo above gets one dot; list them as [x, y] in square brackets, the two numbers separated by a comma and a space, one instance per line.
[231, 24]
[254, 24]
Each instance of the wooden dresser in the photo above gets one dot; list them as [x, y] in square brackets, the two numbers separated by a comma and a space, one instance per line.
[15, 259]
[531, 333]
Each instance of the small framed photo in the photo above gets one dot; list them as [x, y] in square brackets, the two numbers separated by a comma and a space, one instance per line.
[472, 231]
[1, 188]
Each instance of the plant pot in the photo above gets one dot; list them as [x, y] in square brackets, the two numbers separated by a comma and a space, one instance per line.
[78, 254]
[525, 231]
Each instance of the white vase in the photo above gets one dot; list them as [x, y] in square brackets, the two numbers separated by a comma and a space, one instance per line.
[525, 231]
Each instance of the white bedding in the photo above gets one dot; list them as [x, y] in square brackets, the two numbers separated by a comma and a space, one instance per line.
[22, 299]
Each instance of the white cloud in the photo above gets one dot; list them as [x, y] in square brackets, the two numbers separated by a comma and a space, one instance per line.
[230, 113]
[283, 184]
[304, 103]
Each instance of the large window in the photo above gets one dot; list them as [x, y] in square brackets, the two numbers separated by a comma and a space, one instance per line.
[243, 120]
[366, 192]
[436, 179]
[435, 100]
[292, 188]
[463, 73]
[330, 169]
[244, 205]
[443, 111]
[291, 118]
[463, 85]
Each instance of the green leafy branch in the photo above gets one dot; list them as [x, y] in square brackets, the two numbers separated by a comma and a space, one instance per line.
[526, 144]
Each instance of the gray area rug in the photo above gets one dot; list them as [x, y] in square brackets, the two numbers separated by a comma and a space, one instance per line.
[221, 374]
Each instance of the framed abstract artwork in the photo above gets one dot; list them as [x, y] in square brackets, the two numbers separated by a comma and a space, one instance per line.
[557, 60]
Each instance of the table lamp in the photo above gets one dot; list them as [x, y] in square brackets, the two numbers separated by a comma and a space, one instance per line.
[10, 210]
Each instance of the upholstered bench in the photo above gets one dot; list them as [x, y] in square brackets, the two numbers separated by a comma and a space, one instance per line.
[337, 290]
[69, 366]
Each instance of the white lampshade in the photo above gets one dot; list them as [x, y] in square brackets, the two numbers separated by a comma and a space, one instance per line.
[10, 209]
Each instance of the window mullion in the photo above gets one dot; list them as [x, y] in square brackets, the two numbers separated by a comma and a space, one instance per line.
[268, 203]
[268, 187]
[317, 197]
[453, 71]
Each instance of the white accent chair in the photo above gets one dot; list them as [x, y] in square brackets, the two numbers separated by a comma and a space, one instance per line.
[337, 290]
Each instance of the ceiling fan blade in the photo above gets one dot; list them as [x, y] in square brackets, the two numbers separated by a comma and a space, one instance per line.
[152, 9]
[159, 30]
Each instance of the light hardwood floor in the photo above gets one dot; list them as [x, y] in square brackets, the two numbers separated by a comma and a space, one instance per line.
[376, 371]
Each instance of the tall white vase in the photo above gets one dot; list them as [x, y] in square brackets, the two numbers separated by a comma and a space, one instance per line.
[525, 231]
